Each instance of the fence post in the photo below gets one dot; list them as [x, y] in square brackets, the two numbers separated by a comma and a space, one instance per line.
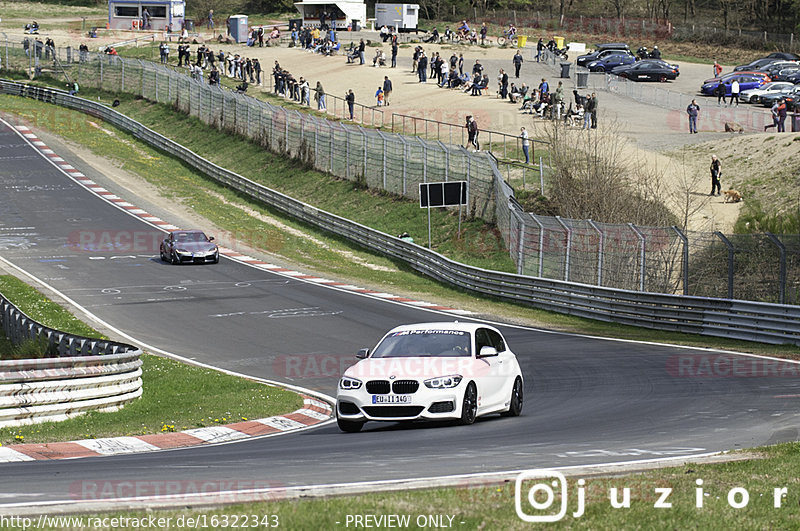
[330, 142]
[782, 274]
[520, 246]
[446, 160]
[567, 250]
[685, 274]
[424, 160]
[383, 163]
[405, 158]
[541, 177]
[541, 243]
[729, 245]
[600, 248]
[642, 241]
[364, 136]
[346, 152]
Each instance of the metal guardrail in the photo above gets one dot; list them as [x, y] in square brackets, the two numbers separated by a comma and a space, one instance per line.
[751, 321]
[86, 374]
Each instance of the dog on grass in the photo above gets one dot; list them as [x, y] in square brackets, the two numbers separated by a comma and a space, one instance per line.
[733, 127]
[733, 196]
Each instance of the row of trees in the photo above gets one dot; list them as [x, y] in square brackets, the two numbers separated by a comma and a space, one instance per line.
[780, 16]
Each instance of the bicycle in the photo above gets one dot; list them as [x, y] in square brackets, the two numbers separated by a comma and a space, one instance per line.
[507, 38]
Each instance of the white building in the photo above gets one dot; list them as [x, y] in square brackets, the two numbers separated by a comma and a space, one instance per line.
[343, 11]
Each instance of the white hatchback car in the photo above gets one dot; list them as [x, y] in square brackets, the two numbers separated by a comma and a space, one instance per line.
[431, 371]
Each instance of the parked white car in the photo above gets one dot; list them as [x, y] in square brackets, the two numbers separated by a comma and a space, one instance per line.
[752, 95]
[431, 371]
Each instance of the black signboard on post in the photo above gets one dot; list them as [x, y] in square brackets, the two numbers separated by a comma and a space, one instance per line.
[432, 195]
[452, 193]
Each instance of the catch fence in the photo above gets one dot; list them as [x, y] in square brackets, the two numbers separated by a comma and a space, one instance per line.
[657, 259]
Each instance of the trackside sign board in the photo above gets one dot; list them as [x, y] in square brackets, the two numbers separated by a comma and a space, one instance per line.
[453, 193]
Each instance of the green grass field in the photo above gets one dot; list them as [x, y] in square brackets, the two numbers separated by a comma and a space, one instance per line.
[492, 507]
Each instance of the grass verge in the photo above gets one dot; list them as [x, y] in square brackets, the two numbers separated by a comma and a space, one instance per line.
[302, 245]
[176, 396]
[492, 507]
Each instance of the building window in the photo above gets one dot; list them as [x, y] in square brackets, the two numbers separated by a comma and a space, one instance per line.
[157, 11]
[126, 11]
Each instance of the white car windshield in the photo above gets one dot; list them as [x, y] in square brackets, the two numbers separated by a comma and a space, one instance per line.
[424, 343]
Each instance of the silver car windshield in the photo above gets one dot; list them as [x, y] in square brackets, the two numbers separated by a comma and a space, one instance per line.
[190, 237]
[425, 343]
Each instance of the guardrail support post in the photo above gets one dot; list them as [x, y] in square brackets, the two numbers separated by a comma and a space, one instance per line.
[782, 274]
[685, 273]
[568, 249]
[642, 256]
[729, 245]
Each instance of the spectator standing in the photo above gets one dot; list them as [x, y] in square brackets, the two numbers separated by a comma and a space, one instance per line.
[145, 19]
[387, 89]
[461, 64]
[484, 32]
[719, 92]
[588, 111]
[716, 172]
[717, 69]
[503, 84]
[539, 48]
[361, 48]
[319, 95]
[256, 68]
[693, 110]
[210, 23]
[782, 116]
[394, 54]
[525, 144]
[558, 98]
[472, 133]
[518, 60]
[379, 97]
[544, 88]
[422, 68]
[350, 98]
[735, 92]
[594, 110]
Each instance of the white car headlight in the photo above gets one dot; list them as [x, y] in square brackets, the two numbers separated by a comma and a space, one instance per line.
[444, 382]
[348, 383]
[182, 251]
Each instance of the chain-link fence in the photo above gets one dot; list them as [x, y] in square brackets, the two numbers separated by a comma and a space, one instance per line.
[655, 259]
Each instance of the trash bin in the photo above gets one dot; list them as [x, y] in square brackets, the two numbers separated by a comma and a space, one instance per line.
[795, 122]
[559, 41]
[565, 69]
[522, 40]
[582, 79]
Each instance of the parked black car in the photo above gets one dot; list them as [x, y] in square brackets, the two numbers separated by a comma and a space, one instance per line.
[757, 64]
[603, 50]
[786, 56]
[792, 99]
[648, 70]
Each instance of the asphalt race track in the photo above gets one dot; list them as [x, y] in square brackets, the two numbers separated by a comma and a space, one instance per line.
[586, 400]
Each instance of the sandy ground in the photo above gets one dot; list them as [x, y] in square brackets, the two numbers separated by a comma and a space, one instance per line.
[655, 135]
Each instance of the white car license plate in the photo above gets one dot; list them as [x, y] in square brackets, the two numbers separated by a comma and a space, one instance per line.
[391, 399]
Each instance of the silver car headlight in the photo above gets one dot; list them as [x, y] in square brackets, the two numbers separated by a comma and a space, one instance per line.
[348, 383]
[444, 382]
[182, 251]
